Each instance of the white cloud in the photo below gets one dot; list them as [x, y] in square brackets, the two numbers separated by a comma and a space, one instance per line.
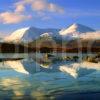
[43, 5]
[81, 13]
[19, 8]
[40, 5]
[37, 6]
[11, 18]
[55, 8]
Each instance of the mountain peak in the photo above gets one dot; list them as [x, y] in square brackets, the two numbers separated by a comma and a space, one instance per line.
[28, 34]
[76, 24]
[76, 28]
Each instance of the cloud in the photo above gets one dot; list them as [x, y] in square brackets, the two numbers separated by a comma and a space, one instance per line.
[55, 8]
[43, 5]
[19, 8]
[12, 18]
[37, 6]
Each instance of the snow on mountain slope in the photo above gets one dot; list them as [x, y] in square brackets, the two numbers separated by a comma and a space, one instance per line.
[75, 29]
[91, 35]
[28, 34]
[17, 35]
[46, 34]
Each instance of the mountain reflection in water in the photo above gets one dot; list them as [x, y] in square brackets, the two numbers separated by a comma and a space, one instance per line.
[29, 79]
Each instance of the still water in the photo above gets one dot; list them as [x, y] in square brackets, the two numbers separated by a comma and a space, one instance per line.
[26, 78]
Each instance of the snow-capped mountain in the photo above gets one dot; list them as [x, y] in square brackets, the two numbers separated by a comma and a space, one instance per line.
[72, 32]
[75, 30]
[29, 34]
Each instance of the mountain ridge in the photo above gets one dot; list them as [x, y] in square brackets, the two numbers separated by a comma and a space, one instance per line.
[29, 34]
[76, 29]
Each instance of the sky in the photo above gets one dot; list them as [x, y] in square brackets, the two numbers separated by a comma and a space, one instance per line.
[15, 14]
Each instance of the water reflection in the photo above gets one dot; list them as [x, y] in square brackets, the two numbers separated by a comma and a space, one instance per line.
[40, 80]
[72, 68]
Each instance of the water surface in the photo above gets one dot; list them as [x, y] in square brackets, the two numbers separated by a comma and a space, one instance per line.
[27, 78]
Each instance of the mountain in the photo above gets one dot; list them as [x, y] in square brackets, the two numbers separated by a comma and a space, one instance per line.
[28, 34]
[65, 40]
[74, 30]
